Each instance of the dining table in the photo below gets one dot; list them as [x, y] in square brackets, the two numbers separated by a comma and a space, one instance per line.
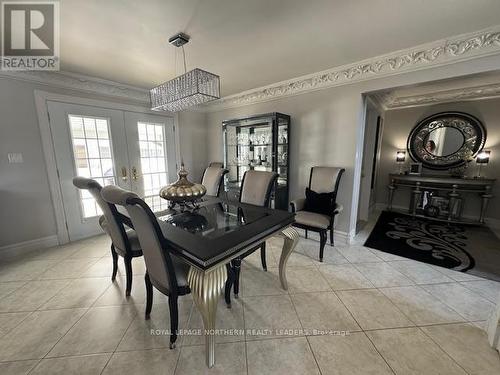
[209, 236]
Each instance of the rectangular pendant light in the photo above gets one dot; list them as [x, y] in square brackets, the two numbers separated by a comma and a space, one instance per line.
[194, 87]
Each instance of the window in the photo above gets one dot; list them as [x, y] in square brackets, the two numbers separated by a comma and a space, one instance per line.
[152, 148]
[93, 157]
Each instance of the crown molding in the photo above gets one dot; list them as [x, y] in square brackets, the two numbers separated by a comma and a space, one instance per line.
[391, 101]
[441, 52]
[80, 82]
[445, 51]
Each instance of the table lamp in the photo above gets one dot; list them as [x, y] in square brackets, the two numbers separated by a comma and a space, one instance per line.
[400, 159]
[482, 158]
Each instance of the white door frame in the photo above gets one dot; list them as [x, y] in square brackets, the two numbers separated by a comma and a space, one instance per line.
[41, 98]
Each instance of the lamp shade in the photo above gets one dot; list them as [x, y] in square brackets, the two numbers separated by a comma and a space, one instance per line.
[483, 157]
[400, 156]
[194, 87]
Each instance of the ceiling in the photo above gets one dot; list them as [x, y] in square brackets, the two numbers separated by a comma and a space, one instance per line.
[251, 43]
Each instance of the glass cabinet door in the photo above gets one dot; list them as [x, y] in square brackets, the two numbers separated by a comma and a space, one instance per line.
[257, 143]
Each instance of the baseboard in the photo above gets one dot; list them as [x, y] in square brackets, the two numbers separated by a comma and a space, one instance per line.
[39, 243]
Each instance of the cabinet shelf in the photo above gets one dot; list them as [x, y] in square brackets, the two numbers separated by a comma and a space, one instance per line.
[273, 127]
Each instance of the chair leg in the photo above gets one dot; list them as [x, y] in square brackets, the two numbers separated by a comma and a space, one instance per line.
[322, 243]
[128, 270]
[306, 233]
[331, 237]
[149, 296]
[174, 319]
[229, 285]
[114, 254]
[236, 263]
[263, 256]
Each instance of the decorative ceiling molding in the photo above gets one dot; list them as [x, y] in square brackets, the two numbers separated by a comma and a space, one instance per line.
[78, 82]
[391, 101]
[445, 51]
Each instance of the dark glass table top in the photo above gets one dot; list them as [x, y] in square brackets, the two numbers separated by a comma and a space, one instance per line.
[214, 220]
[217, 230]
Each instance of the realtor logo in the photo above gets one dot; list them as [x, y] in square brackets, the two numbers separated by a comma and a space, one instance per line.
[30, 35]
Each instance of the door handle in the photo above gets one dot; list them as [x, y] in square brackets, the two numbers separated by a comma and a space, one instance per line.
[124, 174]
[135, 175]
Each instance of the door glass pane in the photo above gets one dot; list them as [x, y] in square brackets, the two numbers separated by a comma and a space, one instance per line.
[152, 148]
[93, 157]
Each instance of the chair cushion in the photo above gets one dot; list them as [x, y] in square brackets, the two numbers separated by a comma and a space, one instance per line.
[312, 219]
[320, 203]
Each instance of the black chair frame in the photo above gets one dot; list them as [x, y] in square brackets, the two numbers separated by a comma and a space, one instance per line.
[323, 233]
[234, 267]
[174, 290]
[128, 254]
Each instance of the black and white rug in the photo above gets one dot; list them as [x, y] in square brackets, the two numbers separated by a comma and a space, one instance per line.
[471, 249]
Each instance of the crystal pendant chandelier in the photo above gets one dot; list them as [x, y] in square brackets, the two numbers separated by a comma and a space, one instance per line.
[194, 87]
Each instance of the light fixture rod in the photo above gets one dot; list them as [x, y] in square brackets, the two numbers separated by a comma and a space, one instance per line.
[184, 56]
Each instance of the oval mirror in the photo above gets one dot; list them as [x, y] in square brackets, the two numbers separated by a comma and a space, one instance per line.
[446, 140]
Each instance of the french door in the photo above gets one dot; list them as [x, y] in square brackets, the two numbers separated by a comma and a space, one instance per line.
[132, 150]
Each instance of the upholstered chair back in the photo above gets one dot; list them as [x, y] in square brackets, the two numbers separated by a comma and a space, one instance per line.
[325, 179]
[212, 179]
[256, 187]
[148, 231]
[217, 164]
[112, 226]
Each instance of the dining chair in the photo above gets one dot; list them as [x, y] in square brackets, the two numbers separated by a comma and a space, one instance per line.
[165, 271]
[256, 188]
[317, 211]
[217, 164]
[123, 242]
[212, 179]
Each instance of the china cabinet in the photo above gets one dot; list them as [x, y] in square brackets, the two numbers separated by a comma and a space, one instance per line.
[258, 142]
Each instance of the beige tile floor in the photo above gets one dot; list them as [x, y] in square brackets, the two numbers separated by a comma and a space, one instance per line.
[360, 312]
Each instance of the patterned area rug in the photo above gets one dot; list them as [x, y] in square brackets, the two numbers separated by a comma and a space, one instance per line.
[471, 249]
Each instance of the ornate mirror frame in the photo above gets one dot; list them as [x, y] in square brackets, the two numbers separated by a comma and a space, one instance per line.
[471, 128]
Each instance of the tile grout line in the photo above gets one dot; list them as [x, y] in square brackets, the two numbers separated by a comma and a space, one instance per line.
[443, 350]
[119, 342]
[305, 336]
[380, 354]
[62, 336]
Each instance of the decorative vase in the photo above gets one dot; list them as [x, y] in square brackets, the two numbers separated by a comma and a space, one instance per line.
[183, 192]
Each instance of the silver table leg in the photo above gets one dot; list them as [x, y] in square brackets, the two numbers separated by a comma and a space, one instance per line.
[206, 288]
[291, 237]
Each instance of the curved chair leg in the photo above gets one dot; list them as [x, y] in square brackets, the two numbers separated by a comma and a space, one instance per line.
[331, 237]
[128, 270]
[174, 319]
[236, 263]
[263, 256]
[229, 285]
[149, 296]
[322, 243]
[114, 254]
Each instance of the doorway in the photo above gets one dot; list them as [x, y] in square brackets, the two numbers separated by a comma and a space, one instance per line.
[135, 151]
[371, 149]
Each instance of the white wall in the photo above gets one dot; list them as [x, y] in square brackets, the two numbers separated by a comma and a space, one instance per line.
[193, 143]
[397, 126]
[323, 123]
[327, 128]
[26, 210]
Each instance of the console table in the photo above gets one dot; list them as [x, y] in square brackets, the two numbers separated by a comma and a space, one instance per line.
[452, 185]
